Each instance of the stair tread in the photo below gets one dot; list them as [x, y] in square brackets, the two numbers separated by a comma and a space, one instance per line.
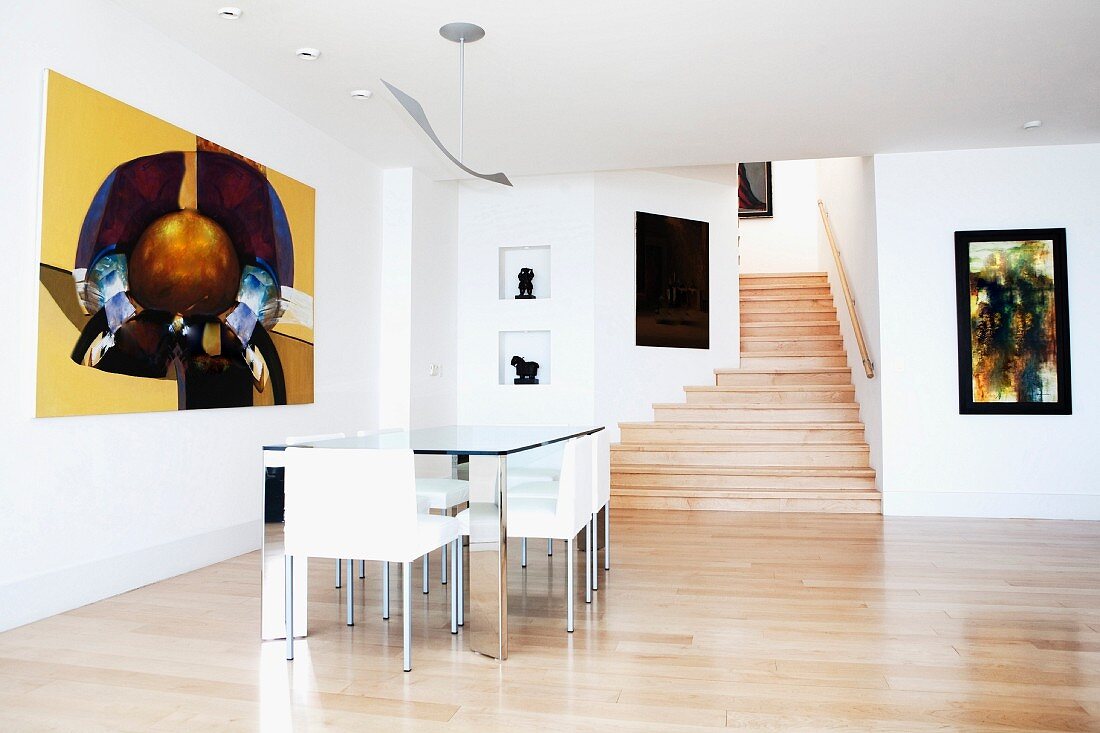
[784, 298]
[682, 470]
[746, 425]
[797, 324]
[852, 493]
[770, 388]
[765, 275]
[757, 405]
[673, 445]
[786, 370]
[795, 339]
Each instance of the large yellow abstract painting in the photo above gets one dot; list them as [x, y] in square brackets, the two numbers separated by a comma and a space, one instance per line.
[174, 274]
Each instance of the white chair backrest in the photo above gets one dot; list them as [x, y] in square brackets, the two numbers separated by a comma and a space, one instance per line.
[299, 439]
[433, 466]
[341, 499]
[601, 470]
[575, 487]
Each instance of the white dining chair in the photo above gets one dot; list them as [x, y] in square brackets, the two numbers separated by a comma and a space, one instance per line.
[298, 440]
[601, 499]
[559, 517]
[380, 523]
[444, 494]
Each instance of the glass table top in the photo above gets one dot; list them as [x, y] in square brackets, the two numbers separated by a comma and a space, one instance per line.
[475, 440]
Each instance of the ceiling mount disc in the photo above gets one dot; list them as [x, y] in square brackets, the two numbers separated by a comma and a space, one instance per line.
[467, 32]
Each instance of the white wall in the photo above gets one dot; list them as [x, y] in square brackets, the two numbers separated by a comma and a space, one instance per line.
[97, 505]
[435, 268]
[551, 210]
[630, 378]
[395, 330]
[937, 461]
[786, 242]
[847, 186]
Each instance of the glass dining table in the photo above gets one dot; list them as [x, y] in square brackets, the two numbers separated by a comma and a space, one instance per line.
[486, 626]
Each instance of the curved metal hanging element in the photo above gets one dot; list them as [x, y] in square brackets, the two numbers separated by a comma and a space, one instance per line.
[417, 113]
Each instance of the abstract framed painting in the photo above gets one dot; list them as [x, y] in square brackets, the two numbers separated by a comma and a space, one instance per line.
[672, 274]
[754, 190]
[174, 274]
[1013, 322]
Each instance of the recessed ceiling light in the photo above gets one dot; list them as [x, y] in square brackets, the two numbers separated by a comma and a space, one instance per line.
[1033, 124]
[307, 53]
[229, 12]
[362, 93]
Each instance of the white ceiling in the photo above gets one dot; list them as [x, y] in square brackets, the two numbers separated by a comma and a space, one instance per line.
[580, 85]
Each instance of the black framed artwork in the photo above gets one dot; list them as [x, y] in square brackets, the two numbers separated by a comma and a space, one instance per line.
[672, 273]
[1013, 322]
[754, 190]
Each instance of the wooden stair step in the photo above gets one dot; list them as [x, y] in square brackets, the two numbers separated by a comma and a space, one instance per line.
[766, 360]
[812, 287]
[749, 377]
[747, 278]
[810, 345]
[795, 434]
[745, 416]
[853, 493]
[786, 315]
[744, 454]
[782, 330]
[772, 394]
[809, 471]
[751, 502]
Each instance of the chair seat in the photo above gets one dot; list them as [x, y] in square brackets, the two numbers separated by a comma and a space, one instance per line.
[534, 490]
[443, 493]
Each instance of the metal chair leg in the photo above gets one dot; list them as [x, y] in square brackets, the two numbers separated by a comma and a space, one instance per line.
[385, 591]
[607, 535]
[288, 611]
[589, 546]
[569, 585]
[523, 552]
[362, 569]
[460, 582]
[549, 547]
[351, 588]
[443, 565]
[454, 586]
[406, 613]
[595, 554]
[339, 573]
[427, 558]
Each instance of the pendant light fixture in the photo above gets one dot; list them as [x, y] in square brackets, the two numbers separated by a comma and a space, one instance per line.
[460, 33]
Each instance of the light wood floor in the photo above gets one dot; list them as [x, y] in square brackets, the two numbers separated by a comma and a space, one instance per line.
[755, 621]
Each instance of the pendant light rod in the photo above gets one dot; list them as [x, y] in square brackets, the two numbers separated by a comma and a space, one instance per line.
[461, 91]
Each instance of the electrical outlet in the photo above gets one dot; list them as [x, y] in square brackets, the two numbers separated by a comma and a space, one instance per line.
[433, 370]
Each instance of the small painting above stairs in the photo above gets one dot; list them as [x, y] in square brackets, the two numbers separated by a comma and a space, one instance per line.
[781, 433]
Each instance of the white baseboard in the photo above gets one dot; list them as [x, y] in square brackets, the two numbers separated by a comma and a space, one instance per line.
[40, 596]
[993, 505]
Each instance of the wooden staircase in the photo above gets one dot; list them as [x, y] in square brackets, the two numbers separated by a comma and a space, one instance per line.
[780, 434]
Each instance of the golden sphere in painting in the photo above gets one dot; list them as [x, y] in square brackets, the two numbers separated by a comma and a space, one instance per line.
[185, 263]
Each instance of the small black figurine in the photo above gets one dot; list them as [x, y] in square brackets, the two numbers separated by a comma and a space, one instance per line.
[526, 284]
[525, 370]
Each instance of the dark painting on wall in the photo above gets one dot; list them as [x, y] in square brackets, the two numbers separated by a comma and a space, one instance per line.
[754, 190]
[1013, 321]
[672, 270]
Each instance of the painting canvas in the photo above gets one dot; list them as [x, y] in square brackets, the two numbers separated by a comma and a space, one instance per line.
[1013, 322]
[672, 270]
[754, 190]
[174, 274]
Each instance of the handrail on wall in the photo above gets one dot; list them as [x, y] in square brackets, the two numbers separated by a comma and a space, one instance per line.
[868, 365]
